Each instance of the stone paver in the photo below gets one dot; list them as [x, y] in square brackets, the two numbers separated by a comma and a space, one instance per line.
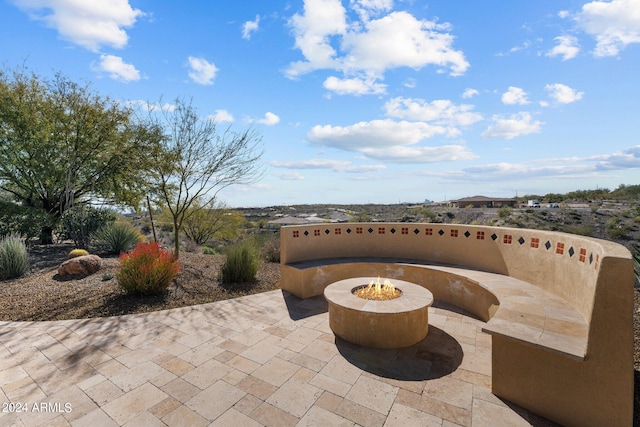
[267, 359]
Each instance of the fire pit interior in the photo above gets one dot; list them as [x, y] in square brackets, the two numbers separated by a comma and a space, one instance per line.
[377, 291]
[387, 322]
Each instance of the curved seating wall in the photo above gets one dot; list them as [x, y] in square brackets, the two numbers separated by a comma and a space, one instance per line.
[566, 265]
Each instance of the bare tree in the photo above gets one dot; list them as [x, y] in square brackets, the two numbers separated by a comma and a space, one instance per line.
[196, 161]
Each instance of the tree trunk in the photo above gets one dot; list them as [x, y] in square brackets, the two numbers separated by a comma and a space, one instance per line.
[46, 235]
[176, 239]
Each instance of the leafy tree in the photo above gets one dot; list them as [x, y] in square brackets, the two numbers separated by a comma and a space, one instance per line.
[61, 143]
[197, 162]
[204, 223]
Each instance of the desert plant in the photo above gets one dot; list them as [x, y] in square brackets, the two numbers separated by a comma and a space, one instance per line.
[504, 212]
[76, 253]
[208, 251]
[271, 249]
[116, 237]
[147, 270]
[79, 224]
[14, 258]
[241, 264]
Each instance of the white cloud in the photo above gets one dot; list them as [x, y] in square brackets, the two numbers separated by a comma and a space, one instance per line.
[563, 94]
[627, 159]
[221, 116]
[367, 48]
[250, 27]
[116, 68]
[334, 165]
[356, 86]
[515, 95]
[510, 127]
[290, 176]
[440, 111]
[614, 24]
[567, 47]
[202, 71]
[90, 24]
[390, 140]
[368, 8]
[469, 93]
[269, 119]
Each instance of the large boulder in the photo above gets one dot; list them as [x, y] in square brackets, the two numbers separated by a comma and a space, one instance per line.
[80, 266]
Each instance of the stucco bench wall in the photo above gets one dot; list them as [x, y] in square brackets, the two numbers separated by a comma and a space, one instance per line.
[591, 277]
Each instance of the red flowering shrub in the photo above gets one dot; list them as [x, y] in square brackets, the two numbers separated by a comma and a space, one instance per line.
[147, 270]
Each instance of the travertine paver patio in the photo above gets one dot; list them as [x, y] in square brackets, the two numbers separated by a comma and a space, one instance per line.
[266, 359]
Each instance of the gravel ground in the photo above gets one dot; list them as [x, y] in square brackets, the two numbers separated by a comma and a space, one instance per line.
[42, 295]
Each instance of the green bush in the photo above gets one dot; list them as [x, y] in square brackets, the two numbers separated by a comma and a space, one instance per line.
[208, 251]
[79, 224]
[147, 270]
[116, 237]
[504, 212]
[14, 258]
[241, 264]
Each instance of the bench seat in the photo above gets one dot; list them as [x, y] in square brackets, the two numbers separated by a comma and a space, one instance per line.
[513, 309]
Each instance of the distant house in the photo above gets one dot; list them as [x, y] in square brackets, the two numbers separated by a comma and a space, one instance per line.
[483, 202]
[294, 220]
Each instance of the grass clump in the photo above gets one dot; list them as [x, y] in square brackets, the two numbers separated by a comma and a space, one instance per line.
[116, 237]
[241, 265]
[147, 270]
[76, 253]
[14, 257]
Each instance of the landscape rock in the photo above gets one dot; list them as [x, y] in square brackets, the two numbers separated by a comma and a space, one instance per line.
[80, 266]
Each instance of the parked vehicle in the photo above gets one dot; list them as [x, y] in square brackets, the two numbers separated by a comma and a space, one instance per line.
[533, 203]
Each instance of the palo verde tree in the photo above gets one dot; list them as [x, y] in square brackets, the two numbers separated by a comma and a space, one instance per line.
[60, 143]
[197, 161]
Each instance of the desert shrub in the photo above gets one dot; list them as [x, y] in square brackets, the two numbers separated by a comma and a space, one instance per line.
[583, 230]
[241, 264]
[23, 220]
[79, 224]
[208, 251]
[504, 212]
[271, 249]
[14, 258]
[76, 253]
[450, 214]
[147, 270]
[116, 237]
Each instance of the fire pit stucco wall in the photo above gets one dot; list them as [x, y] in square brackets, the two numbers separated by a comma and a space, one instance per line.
[395, 323]
[592, 276]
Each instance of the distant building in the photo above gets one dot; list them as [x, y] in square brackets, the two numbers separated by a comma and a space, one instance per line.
[483, 202]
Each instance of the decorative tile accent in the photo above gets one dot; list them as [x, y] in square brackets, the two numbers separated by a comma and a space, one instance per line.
[338, 231]
[358, 230]
[348, 231]
[494, 236]
[381, 230]
[316, 232]
[591, 258]
[535, 242]
[327, 231]
[404, 230]
[454, 233]
[521, 240]
[571, 252]
[441, 232]
[393, 231]
[306, 232]
[597, 262]
[480, 235]
[467, 234]
[416, 231]
[583, 254]
[428, 231]
[370, 230]
[296, 234]
[507, 238]
[547, 245]
[560, 248]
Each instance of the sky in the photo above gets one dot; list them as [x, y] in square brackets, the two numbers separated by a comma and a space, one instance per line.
[369, 101]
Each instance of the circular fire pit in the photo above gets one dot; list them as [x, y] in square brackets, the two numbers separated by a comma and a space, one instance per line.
[393, 323]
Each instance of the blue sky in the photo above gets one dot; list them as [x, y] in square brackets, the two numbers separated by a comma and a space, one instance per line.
[370, 101]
